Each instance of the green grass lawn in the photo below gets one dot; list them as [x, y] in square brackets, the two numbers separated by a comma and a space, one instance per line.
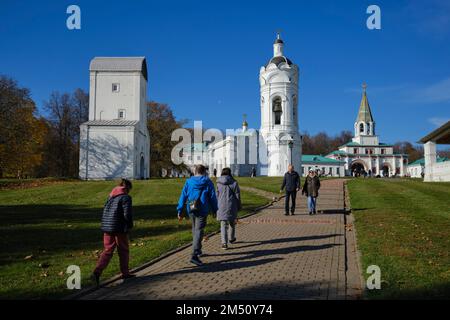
[58, 224]
[403, 226]
[271, 184]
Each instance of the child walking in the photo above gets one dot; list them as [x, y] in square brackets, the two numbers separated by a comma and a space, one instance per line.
[229, 203]
[117, 220]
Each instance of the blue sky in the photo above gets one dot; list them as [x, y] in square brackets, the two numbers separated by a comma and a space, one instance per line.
[204, 56]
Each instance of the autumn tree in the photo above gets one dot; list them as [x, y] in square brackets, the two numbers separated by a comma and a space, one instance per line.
[405, 147]
[21, 131]
[161, 124]
[322, 143]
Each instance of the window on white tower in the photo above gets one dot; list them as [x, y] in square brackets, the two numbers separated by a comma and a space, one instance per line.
[121, 114]
[115, 87]
[361, 127]
[277, 110]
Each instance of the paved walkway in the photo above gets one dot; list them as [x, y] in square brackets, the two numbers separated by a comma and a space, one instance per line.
[276, 257]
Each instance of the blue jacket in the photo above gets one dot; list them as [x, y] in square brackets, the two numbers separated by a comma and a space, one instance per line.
[117, 216]
[191, 191]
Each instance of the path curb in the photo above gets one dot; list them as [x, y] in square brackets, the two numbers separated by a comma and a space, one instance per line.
[354, 285]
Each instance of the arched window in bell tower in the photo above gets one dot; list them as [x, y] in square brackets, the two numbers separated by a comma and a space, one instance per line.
[277, 110]
[361, 128]
[368, 128]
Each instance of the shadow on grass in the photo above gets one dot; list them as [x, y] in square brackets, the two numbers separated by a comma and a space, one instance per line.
[440, 291]
[30, 229]
[59, 213]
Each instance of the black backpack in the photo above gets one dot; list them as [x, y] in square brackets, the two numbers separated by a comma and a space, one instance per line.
[195, 205]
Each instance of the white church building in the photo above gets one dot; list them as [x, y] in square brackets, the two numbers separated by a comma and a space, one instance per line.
[115, 142]
[277, 143]
[365, 153]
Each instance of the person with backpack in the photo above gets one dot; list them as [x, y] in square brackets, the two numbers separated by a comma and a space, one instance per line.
[229, 203]
[311, 190]
[117, 220]
[199, 196]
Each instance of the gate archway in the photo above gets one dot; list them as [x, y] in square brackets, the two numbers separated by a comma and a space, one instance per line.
[358, 167]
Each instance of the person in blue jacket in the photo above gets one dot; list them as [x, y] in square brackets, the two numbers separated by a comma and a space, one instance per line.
[200, 198]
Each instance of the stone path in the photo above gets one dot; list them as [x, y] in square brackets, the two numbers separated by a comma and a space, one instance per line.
[276, 257]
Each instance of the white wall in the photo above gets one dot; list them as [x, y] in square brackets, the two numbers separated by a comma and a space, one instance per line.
[107, 152]
[435, 171]
[415, 171]
[104, 104]
[440, 172]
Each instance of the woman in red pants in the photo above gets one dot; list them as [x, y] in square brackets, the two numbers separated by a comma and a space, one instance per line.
[117, 220]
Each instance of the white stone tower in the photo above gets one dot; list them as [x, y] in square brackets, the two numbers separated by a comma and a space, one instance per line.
[115, 142]
[279, 113]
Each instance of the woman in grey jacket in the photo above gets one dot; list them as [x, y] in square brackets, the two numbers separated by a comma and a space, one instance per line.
[229, 203]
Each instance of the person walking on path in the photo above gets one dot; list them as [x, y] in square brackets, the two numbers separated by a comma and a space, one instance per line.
[200, 197]
[229, 203]
[117, 220]
[291, 182]
[311, 190]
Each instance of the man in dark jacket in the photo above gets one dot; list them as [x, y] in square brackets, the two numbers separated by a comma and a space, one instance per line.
[200, 196]
[311, 190]
[291, 182]
[117, 220]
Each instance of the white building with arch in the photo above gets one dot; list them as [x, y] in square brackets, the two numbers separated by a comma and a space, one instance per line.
[115, 142]
[277, 143]
[323, 166]
[365, 153]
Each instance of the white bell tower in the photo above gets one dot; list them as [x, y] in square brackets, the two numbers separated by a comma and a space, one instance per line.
[364, 124]
[279, 113]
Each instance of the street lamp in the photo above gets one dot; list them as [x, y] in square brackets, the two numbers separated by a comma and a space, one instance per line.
[291, 145]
